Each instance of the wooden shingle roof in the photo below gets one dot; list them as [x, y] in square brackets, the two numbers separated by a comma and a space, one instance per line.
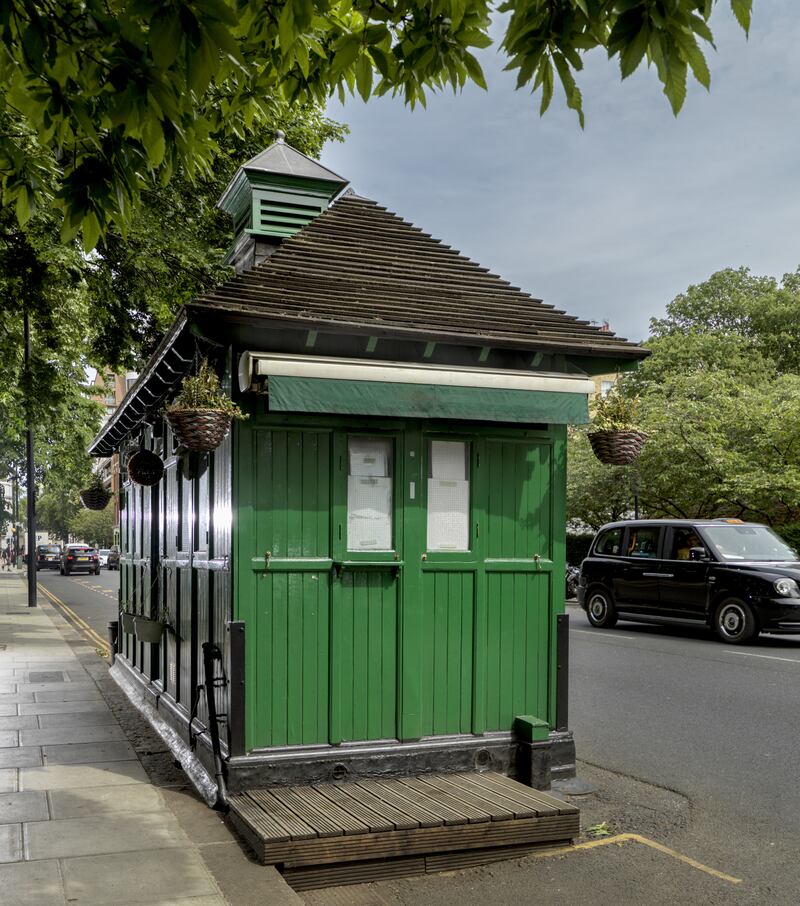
[359, 266]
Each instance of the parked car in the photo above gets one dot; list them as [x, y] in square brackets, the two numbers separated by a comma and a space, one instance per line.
[102, 555]
[739, 578]
[572, 576]
[113, 557]
[79, 556]
[48, 556]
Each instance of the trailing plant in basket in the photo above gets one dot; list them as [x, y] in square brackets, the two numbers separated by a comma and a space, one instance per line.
[203, 391]
[615, 412]
[201, 413]
[614, 432]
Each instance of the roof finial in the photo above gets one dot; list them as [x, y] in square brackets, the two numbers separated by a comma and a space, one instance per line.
[280, 135]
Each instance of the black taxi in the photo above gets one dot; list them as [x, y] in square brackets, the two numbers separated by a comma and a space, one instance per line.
[737, 577]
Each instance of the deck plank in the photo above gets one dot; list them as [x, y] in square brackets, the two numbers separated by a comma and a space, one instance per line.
[261, 822]
[518, 793]
[340, 795]
[496, 811]
[293, 825]
[388, 793]
[399, 818]
[447, 799]
[493, 797]
[298, 800]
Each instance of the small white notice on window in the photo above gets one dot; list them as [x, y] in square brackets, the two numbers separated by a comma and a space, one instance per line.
[448, 459]
[448, 515]
[369, 513]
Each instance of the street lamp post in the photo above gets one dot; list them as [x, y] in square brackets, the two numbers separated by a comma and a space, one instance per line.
[31, 478]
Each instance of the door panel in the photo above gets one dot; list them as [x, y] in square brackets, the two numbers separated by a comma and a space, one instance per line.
[516, 510]
[447, 651]
[364, 666]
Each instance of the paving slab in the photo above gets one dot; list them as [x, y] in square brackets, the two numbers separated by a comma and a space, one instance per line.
[27, 806]
[129, 832]
[16, 698]
[63, 707]
[66, 695]
[99, 718]
[31, 884]
[21, 757]
[9, 780]
[11, 842]
[88, 753]
[7, 709]
[8, 738]
[78, 776]
[61, 735]
[19, 722]
[137, 878]
[106, 800]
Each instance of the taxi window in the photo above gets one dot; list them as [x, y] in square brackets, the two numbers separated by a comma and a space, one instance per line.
[609, 543]
[643, 542]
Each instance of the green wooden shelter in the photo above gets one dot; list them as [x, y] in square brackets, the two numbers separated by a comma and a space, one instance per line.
[367, 576]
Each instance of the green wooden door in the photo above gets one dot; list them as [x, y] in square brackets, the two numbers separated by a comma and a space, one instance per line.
[326, 590]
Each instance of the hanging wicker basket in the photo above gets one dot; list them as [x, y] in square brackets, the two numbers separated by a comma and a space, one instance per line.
[95, 498]
[145, 468]
[199, 430]
[617, 448]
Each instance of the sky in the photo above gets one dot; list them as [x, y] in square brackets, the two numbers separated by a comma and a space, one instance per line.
[612, 222]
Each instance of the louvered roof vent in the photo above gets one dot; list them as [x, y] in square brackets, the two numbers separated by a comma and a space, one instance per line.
[278, 192]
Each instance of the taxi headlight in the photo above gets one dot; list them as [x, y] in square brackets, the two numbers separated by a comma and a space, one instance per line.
[787, 588]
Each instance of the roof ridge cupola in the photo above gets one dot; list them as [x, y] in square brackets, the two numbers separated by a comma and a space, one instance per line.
[272, 197]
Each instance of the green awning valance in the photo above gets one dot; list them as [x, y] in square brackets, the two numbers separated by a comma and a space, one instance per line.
[347, 397]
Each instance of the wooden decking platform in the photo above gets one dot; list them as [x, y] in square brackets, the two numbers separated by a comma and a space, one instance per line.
[346, 833]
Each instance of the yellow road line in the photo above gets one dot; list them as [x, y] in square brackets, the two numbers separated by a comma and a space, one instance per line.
[81, 623]
[637, 838]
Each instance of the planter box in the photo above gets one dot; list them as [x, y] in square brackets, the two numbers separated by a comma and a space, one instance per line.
[148, 630]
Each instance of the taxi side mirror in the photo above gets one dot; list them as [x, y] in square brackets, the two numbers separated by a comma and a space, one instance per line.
[698, 553]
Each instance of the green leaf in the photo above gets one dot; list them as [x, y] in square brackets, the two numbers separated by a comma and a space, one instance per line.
[287, 33]
[153, 137]
[631, 56]
[91, 232]
[571, 90]
[364, 76]
[165, 38]
[743, 9]
[475, 71]
[545, 78]
[694, 57]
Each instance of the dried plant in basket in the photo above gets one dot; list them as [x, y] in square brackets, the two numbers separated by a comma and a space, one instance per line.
[614, 435]
[201, 414]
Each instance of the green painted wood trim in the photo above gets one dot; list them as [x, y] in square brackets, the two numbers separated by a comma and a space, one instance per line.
[558, 540]
[290, 565]
[531, 729]
[296, 394]
[410, 628]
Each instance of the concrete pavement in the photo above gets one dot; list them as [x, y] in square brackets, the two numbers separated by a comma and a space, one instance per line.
[92, 809]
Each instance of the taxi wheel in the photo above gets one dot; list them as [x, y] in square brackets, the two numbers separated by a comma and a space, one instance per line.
[600, 609]
[734, 622]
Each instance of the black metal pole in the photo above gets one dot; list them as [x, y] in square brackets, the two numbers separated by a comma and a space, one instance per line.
[30, 477]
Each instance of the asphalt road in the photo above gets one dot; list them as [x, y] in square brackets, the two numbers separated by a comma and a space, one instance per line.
[87, 601]
[716, 723]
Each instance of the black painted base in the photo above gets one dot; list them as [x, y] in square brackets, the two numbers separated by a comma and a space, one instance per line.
[535, 764]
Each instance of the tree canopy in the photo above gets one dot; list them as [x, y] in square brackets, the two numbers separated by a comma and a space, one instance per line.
[109, 99]
[720, 401]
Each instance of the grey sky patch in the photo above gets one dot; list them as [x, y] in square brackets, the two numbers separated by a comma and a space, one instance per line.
[612, 222]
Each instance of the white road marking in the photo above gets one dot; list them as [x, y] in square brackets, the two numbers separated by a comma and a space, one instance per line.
[766, 657]
[601, 634]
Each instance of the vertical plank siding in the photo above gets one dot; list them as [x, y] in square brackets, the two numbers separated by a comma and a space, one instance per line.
[326, 659]
[447, 652]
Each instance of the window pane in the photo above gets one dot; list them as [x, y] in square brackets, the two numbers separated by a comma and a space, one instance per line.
[369, 494]
[610, 543]
[643, 542]
[448, 496]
